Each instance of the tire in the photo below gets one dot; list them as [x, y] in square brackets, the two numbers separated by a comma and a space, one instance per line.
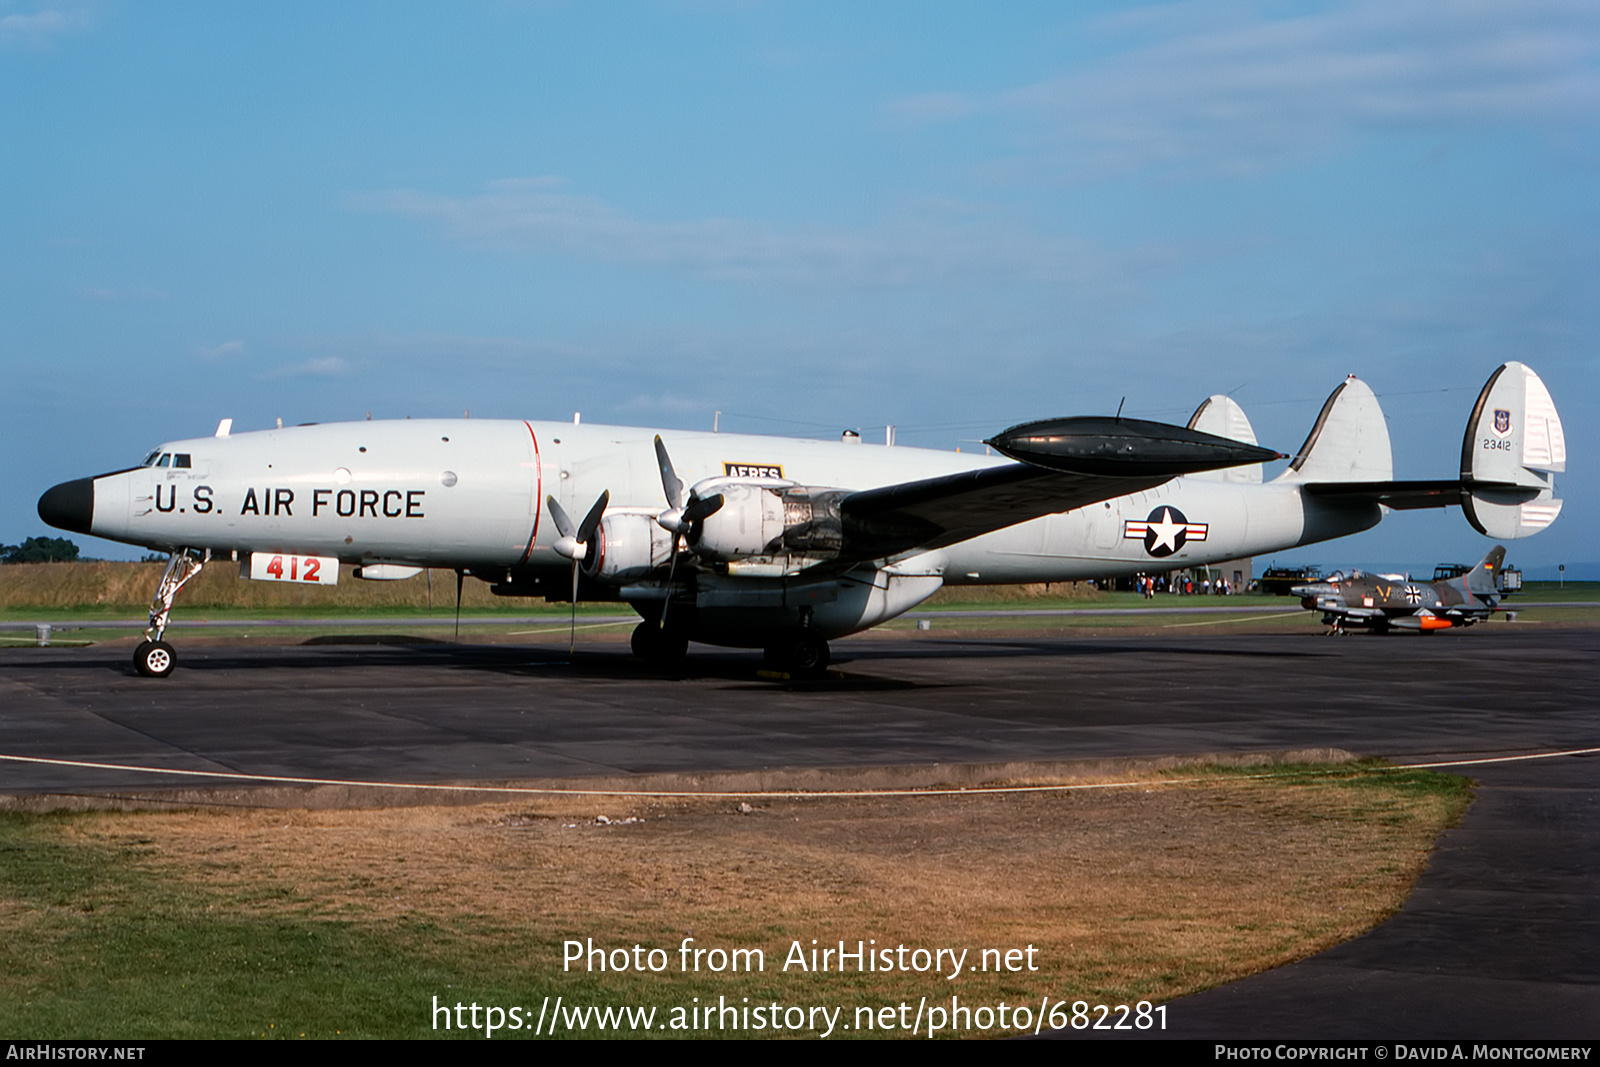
[154, 659]
[809, 656]
[802, 653]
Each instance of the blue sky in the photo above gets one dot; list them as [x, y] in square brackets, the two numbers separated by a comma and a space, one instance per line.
[950, 217]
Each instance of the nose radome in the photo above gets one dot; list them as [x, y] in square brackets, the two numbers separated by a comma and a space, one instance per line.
[69, 506]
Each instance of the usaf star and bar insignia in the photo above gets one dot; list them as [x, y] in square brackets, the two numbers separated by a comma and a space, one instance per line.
[1165, 531]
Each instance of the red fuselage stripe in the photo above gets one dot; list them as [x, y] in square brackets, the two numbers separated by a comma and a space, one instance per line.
[538, 492]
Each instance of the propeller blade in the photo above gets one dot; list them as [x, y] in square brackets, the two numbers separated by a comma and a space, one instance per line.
[699, 510]
[671, 570]
[461, 576]
[572, 625]
[558, 513]
[669, 478]
[591, 521]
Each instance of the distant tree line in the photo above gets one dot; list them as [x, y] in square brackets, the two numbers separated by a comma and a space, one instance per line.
[40, 550]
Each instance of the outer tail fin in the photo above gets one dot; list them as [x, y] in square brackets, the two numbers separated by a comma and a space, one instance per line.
[1350, 441]
[1513, 447]
[1483, 580]
[1222, 416]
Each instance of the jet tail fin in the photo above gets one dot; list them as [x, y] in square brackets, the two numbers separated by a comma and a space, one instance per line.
[1348, 443]
[1513, 448]
[1483, 580]
[1222, 416]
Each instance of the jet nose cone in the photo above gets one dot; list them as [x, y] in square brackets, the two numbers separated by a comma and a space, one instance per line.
[69, 506]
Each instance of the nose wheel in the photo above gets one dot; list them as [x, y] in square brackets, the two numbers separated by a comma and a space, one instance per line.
[154, 659]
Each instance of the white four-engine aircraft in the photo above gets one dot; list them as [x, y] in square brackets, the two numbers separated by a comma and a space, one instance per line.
[783, 544]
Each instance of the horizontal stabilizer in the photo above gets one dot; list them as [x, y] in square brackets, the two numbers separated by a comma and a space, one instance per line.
[1222, 416]
[1514, 442]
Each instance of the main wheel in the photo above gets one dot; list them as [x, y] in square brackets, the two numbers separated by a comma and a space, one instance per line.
[803, 653]
[154, 659]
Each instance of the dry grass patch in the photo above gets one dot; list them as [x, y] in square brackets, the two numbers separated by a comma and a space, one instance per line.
[1150, 892]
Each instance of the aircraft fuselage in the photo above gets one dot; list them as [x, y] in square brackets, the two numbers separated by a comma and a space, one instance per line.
[470, 493]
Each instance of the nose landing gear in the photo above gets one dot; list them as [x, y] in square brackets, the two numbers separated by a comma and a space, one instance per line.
[154, 658]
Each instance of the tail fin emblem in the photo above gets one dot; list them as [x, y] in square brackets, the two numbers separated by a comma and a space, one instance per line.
[1502, 421]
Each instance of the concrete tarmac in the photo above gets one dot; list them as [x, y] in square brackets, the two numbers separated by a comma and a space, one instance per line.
[1500, 939]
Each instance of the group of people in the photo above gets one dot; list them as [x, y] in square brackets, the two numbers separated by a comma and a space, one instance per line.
[1183, 584]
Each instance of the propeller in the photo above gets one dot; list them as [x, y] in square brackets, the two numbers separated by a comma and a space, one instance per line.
[461, 576]
[681, 519]
[574, 544]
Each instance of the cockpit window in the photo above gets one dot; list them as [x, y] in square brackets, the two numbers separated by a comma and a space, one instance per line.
[150, 460]
[181, 459]
[165, 460]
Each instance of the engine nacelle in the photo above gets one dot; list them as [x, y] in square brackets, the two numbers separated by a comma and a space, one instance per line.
[764, 519]
[628, 547]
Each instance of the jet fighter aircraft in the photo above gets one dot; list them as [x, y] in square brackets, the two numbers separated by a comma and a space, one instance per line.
[777, 543]
[1382, 602]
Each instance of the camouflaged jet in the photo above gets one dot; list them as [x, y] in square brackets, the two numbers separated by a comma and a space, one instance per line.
[1384, 602]
[777, 543]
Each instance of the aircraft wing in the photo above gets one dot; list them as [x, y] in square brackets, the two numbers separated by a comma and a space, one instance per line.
[936, 512]
[1064, 464]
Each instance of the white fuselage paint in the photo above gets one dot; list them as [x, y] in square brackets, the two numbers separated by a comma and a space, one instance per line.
[470, 494]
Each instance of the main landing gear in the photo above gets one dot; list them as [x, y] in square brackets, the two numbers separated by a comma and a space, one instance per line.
[154, 658]
[799, 653]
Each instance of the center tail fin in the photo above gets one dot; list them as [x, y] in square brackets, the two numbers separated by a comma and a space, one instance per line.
[1348, 443]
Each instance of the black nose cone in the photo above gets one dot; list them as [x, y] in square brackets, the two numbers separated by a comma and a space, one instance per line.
[69, 506]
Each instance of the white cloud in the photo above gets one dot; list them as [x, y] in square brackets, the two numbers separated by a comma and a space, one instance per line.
[226, 350]
[927, 108]
[40, 27]
[326, 367]
[1222, 88]
[538, 215]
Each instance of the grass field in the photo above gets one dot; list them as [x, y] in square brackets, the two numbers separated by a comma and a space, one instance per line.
[78, 595]
[240, 923]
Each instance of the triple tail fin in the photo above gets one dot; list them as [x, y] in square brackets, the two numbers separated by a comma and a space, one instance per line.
[1348, 443]
[1222, 416]
[1513, 448]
